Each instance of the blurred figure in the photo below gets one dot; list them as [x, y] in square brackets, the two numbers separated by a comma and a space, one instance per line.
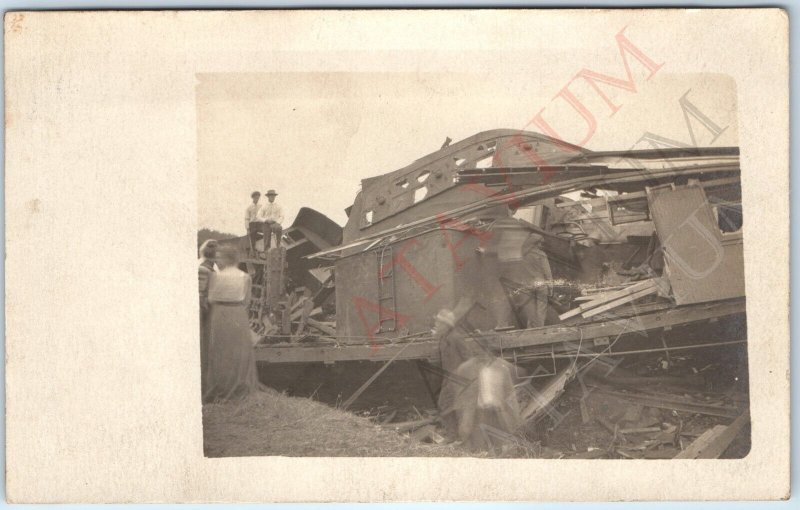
[206, 268]
[529, 282]
[453, 351]
[231, 360]
[477, 402]
[487, 409]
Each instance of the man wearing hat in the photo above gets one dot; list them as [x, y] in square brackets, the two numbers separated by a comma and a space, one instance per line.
[251, 223]
[272, 216]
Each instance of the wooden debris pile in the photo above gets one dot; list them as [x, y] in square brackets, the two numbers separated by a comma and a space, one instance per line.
[653, 424]
[595, 303]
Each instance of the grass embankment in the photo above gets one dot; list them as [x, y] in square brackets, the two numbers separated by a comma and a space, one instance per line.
[271, 423]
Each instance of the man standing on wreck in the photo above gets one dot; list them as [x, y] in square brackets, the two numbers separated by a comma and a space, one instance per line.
[251, 223]
[271, 215]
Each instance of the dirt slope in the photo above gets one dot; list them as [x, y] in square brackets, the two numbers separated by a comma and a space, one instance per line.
[271, 423]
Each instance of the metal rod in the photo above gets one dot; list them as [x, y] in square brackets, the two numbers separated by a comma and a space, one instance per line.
[625, 353]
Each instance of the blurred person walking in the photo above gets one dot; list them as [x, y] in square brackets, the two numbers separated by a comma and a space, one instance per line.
[205, 270]
[231, 361]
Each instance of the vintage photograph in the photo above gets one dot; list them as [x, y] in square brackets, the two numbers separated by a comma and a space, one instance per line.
[414, 265]
[389, 255]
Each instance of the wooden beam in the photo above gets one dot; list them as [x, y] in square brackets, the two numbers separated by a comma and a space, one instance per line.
[714, 441]
[321, 326]
[649, 316]
[617, 294]
[606, 297]
[665, 402]
[640, 430]
[621, 301]
[299, 313]
[554, 389]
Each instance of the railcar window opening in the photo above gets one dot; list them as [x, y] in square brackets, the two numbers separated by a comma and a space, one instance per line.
[729, 217]
[485, 162]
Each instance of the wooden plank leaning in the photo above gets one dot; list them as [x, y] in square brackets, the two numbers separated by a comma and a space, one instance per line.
[653, 289]
[714, 441]
[608, 297]
[554, 388]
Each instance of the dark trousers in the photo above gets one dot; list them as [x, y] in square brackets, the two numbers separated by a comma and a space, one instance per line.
[253, 230]
[269, 228]
[265, 229]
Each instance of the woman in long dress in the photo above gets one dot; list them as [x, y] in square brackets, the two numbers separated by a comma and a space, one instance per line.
[231, 360]
[205, 269]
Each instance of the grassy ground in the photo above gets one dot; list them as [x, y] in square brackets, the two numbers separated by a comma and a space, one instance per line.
[271, 423]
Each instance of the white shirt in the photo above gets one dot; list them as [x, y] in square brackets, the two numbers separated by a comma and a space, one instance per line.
[229, 285]
[251, 213]
[270, 212]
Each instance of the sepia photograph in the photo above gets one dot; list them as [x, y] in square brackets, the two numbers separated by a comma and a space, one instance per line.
[388, 255]
[478, 290]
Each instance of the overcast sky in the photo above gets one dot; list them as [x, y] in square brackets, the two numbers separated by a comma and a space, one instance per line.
[314, 136]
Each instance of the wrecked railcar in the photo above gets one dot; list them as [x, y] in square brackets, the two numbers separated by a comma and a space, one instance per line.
[638, 241]
[287, 267]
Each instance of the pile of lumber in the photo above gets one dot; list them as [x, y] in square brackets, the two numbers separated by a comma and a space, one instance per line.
[640, 431]
[668, 443]
[303, 312]
[606, 301]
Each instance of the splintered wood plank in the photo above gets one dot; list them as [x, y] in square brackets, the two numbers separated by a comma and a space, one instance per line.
[572, 313]
[619, 302]
[543, 398]
[695, 450]
[668, 402]
[607, 297]
[713, 442]
[610, 296]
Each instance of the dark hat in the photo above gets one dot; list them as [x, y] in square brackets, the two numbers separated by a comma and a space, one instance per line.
[271, 192]
[255, 193]
[208, 248]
